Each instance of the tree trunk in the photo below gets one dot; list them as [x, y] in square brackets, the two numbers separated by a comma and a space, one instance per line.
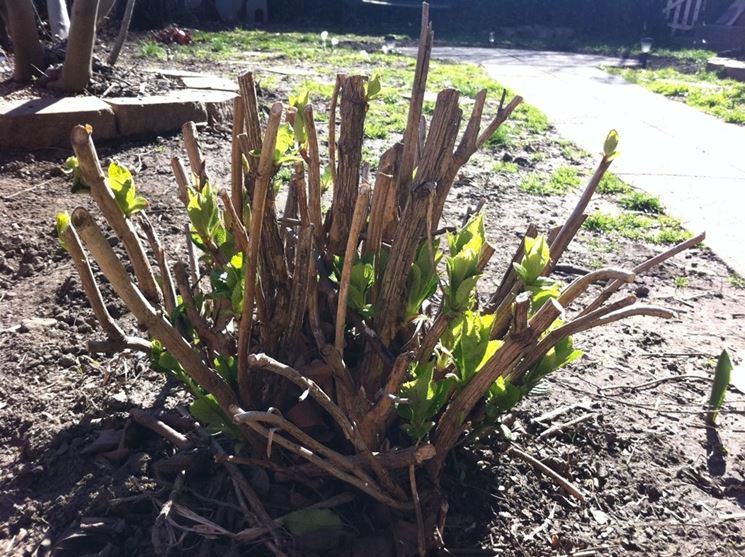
[29, 56]
[59, 19]
[77, 69]
[123, 30]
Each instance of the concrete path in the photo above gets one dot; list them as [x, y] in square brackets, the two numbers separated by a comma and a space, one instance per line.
[694, 162]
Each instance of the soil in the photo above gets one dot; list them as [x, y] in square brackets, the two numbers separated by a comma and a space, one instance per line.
[79, 478]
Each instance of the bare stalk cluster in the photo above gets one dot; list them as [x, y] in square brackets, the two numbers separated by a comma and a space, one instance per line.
[290, 330]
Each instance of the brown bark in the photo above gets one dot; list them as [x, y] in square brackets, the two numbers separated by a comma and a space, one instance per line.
[251, 266]
[146, 314]
[93, 175]
[353, 107]
[433, 166]
[123, 31]
[78, 66]
[413, 120]
[383, 212]
[350, 254]
[236, 164]
[90, 287]
[28, 54]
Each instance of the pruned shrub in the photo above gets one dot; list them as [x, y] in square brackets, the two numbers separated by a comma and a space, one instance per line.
[350, 343]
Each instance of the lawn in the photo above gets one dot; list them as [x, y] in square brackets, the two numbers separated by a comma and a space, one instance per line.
[705, 90]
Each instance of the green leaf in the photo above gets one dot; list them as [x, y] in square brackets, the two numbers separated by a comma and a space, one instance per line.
[373, 87]
[61, 224]
[542, 291]
[562, 354]
[206, 411]
[72, 169]
[611, 145]
[421, 282]
[722, 376]
[472, 235]
[284, 148]
[207, 221]
[471, 334]
[299, 102]
[422, 398]
[308, 521]
[326, 179]
[503, 396]
[464, 295]
[537, 255]
[122, 184]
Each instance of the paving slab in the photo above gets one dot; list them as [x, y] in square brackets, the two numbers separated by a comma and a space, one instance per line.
[209, 82]
[734, 69]
[137, 116]
[41, 123]
[693, 161]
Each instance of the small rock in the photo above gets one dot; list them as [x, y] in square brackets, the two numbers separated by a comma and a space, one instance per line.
[67, 361]
[29, 256]
[599, 516]
[641, 291]
[121, 397]
[25, 270]
[36, 324]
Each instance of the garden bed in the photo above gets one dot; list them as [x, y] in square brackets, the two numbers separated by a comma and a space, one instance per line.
[80, 476]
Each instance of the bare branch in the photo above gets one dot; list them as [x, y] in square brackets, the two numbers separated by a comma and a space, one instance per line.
[93, 175]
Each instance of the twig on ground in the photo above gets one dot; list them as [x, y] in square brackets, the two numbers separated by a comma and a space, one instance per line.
[556, 428]
[149, 421]
[551, 414]
[653, 383]
[568, 486]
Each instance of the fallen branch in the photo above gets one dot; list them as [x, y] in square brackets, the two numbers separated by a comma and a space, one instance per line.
[654, 383]
[152, 423]
[557, 428]
[565, 484]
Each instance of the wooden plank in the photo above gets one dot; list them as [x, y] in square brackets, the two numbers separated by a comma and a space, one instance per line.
[732, 14]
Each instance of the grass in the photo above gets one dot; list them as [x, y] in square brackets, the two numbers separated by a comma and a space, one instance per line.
[611, 184]
[681, 282]
[361, 55]
[736, 281]
[642, 202]
[501, 167]
[151, 49]
[560, 182]
[571, 152]
[723, 98]
[502, 137]
[656, 229]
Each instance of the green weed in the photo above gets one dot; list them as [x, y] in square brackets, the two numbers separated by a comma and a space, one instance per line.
[505, 167]
[657, 229]
[562, 180]
[502, 137]
[642, 202]
[151, 49]
[571, 152]
[681, 282]
[724, 98]
[736, 281]
[611, 184]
